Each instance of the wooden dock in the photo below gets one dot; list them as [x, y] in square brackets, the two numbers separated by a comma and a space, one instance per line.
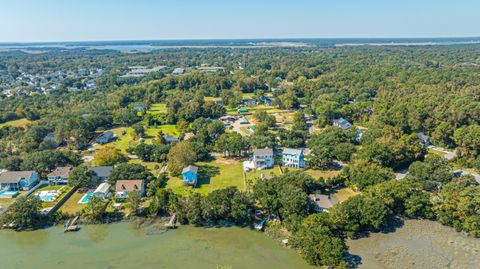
[71, 226]
[172, 224]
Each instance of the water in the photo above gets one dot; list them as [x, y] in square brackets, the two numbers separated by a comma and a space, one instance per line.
[124, 246]
[417, 244]
[86, 198]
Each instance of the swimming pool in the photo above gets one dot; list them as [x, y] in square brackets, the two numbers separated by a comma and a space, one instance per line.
[86, 198]
[47, 196]
[8, 194]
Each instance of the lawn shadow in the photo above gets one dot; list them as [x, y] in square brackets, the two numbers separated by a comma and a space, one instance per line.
[205, 173]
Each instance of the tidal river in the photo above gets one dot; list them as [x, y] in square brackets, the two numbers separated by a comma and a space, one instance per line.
[125, 246]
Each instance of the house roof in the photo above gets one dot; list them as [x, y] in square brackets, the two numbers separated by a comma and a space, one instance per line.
[342, 123]
[102, 188]
[101, 171]
[423, 137]
[188, 136]
[290, 151]
[190, 168]
[14, 176]
[107, 134]
[263, 152]
[129, 185]
[170, 139]
[62, 172]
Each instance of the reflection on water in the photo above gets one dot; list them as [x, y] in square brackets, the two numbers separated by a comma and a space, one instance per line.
[144, 245]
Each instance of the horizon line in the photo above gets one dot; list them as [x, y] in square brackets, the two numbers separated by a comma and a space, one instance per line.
[238, 38]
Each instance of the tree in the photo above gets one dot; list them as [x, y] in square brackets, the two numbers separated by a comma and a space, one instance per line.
[363, 174]
[344, 151]
[231, 144]
[317, 244]
[23, 213]
[431, 173]
[134, 202]
[181, 154]
[138, 130]
[95, 208]
[130, 171]
[109, 156]
[80, 176]
[125, 116]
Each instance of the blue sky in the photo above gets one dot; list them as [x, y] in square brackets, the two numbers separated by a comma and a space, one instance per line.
[84, 20]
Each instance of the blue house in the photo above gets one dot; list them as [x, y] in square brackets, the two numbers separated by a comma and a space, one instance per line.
[190, 175]
[293, 158]
[18, 180]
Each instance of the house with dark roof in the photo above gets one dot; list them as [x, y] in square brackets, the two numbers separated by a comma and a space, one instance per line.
[50, 139]
[424, 139]
[105, 137]
[263, 158]
[190, 175]
[59, 176]
[100, 173]
[342, 123]
[18, 180]
[124, 187]
[293, 158]
[249, 102]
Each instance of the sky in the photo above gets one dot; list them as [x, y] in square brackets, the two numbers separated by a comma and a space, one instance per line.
[101, 20]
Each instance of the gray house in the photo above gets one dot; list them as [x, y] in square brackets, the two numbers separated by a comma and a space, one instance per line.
[263, 158]
[101, 173]
[105, 137]
[342, 123]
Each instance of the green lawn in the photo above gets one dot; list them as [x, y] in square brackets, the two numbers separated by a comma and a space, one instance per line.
[218, 174]
[71, 206]
[325, 174]
[158, 109]
[16, 123]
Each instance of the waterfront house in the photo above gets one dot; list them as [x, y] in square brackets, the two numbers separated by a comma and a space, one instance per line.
[190, 175]
[102, 191]
[293, 158]
[342, 123]
[100, 173]
[263, 158]
[18, 180]
[105, 137]
[59, 176]
[124, 187]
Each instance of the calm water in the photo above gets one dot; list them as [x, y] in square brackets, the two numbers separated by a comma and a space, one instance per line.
[417, 244]
[124, 246]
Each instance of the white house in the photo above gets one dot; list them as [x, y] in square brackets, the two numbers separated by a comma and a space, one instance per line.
[293, 158]
[124, 187]
[263, 158]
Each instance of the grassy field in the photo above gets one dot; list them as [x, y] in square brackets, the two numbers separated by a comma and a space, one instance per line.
[158, 109]
[71, 206]
[7, 202]
[16, 123]
[218, 174]
[344, 193]
[325, 174]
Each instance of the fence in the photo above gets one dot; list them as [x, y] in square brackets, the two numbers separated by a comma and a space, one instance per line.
[62, 201]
